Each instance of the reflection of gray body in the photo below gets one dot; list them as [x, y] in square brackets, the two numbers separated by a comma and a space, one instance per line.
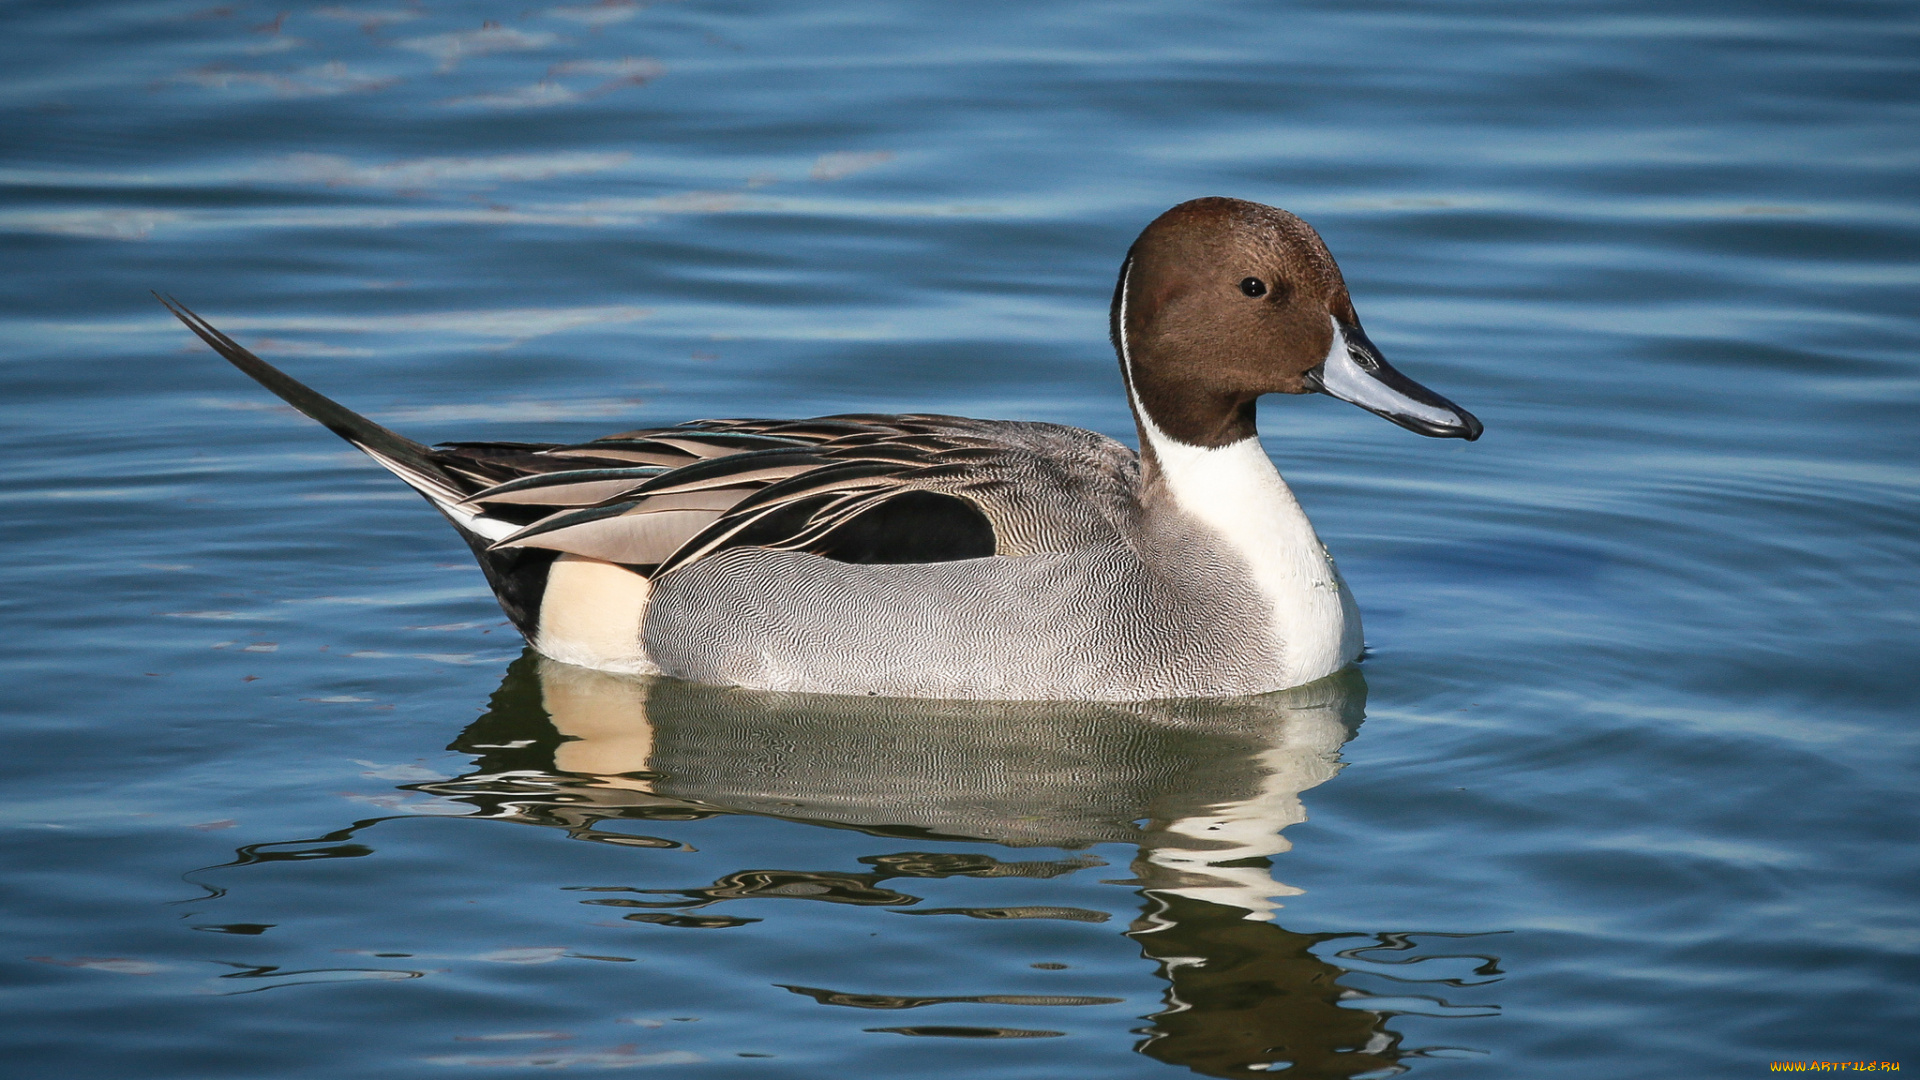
[1195, 783]
[1062, 775]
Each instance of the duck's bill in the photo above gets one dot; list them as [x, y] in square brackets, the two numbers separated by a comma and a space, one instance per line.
[1355, 371]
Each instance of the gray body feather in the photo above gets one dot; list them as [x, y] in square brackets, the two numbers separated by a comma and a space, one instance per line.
[1091, 625]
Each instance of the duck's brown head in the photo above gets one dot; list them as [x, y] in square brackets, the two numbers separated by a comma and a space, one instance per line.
[1222, 300]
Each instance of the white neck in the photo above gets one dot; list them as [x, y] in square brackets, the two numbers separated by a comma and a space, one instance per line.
[1235, 491]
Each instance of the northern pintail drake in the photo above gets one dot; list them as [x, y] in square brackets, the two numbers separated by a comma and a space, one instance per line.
[943, 557]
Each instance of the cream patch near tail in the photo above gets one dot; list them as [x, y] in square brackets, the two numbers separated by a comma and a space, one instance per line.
[590, 615]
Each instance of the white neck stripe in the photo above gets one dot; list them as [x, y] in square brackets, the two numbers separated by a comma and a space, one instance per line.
[1156, 438]
[1120, 334]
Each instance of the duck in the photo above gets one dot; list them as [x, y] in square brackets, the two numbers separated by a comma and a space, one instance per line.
[929, 556]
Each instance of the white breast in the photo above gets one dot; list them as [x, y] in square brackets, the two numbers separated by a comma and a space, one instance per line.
[1237, 493]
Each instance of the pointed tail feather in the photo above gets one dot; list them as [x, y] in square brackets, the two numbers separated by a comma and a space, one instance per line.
[519, 578]
[408, 460]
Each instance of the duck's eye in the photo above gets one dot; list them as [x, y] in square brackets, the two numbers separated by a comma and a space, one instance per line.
[1253, 286]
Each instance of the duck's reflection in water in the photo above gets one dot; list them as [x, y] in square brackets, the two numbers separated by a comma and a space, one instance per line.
[1203, 788]
[1200, 789]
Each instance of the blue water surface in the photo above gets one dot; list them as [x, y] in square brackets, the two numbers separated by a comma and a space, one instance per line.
[1625, 787]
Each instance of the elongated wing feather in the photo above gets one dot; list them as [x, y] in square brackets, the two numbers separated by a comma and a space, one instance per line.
[630, 536]
[736, 468]
[575, 487]
[846, 476]
[638, 453]
[720, 444]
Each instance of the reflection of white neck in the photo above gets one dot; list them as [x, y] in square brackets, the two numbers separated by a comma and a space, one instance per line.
[1305, 754]
[1236, 492]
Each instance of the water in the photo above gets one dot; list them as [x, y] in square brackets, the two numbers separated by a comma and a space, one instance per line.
[1633, 795]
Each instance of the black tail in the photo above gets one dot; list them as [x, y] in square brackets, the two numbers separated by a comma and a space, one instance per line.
[409, 460]
[518, 576]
